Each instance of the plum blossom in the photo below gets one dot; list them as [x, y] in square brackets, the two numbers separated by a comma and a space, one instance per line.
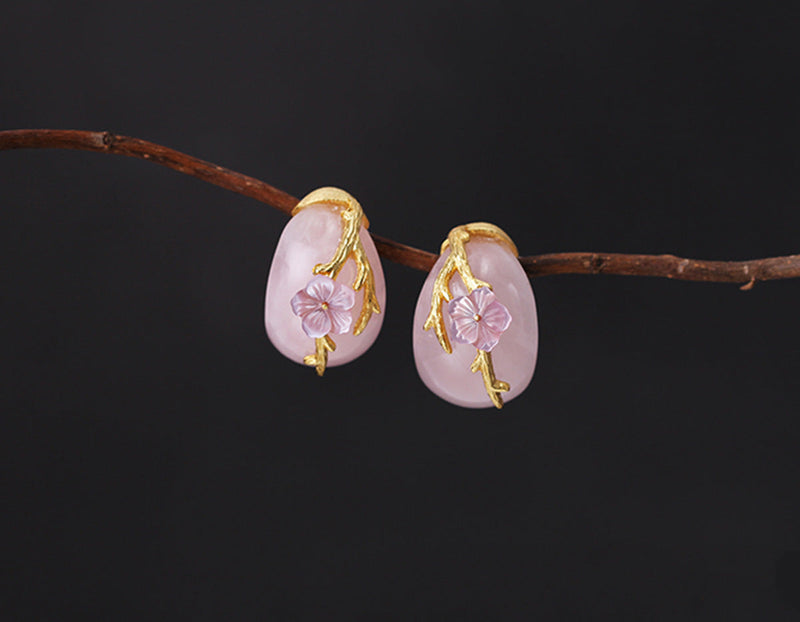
[479, 318]
[324, 306]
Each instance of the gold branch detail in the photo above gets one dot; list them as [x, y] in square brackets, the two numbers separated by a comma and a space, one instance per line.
[349, 247]
[457, 262]
[494, 387]
[320, 358]
[366, 280]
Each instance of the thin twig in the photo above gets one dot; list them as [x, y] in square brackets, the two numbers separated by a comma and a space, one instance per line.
[668, 266]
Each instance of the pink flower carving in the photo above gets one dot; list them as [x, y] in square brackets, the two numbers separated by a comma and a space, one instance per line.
[479, 318]
[324, 306]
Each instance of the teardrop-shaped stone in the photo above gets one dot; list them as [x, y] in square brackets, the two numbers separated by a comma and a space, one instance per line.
[310, 238]
[514, 356]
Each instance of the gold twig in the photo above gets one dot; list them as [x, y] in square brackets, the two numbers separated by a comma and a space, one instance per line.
[351, 225]
[457, 262]
[483, 364]
[481, 230]
[320, 358]
[364, 279]
[349, 247]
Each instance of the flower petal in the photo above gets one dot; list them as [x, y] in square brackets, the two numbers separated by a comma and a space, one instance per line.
[343, 297]
[466, 329]
[317, 323]
[455, 335]
[303, 304]
[321, 287]
[482, 298]
[487, 339]
[461, 307]
[496, 317]
[340, 320]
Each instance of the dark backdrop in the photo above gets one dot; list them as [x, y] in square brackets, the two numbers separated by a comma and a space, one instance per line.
[161, 460]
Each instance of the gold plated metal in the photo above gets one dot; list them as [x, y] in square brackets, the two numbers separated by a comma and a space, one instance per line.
[350, 247]
[457, 262]
[481, 230]
[494, 387]
[319, 360]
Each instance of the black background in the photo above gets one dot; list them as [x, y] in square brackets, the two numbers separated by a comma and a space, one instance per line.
[161, 460]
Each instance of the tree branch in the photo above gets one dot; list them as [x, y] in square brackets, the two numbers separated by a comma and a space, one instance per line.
[668, 266]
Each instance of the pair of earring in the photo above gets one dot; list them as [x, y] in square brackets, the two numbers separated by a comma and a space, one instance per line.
[475, 314]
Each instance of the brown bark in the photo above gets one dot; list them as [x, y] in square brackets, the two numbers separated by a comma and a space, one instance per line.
[668, 266]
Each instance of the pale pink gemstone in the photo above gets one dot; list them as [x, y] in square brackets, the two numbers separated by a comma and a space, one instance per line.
[514, 357]
[311, 238]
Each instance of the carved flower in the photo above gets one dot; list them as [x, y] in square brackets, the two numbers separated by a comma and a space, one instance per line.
[324, 306]
[479, 318]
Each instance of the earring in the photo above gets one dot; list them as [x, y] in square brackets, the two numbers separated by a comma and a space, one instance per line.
[314, 291]
[476, 313]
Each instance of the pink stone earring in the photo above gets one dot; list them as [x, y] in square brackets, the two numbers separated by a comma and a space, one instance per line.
[479, 303]
[314, 291]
